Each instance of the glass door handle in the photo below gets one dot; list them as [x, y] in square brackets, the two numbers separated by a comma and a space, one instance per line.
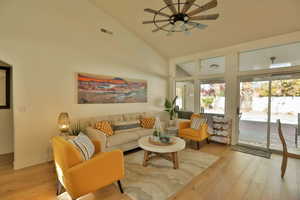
[238, 112]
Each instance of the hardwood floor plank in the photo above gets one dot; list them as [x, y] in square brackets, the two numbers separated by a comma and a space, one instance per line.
[234, 176]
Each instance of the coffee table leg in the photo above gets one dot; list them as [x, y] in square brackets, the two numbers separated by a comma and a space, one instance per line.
[146, 158]
[175, 160]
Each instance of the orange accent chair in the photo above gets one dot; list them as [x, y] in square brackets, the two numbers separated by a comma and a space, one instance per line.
[185, 131]
[79, 177]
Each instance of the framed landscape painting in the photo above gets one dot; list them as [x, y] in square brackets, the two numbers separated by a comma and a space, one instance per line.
[100, 89]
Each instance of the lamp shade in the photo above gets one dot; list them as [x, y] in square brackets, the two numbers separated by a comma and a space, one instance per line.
[63, 122]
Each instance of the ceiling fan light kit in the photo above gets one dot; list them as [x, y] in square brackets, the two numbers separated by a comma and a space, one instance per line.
[183, 16]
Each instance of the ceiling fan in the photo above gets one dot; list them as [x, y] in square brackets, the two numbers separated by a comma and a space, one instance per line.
[182, 16]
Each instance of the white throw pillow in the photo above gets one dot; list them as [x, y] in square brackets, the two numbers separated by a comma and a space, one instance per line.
[197, 122]
[84, 145]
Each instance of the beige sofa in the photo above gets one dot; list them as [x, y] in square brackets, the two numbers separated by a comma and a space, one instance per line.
[126, 140]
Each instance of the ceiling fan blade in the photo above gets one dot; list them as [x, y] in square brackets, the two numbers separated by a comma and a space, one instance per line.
[170, 4]
[198, 25]
[156, 21]
[209, 5]
[161, 27]
[188, 4]
[149, 10]
[205, 17]
[171, 31]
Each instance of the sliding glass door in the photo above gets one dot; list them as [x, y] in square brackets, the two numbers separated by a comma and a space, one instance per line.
[253, 113]
[262, 102]
[285, 105]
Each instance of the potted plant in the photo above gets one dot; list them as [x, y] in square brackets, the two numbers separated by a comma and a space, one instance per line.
[170, 107]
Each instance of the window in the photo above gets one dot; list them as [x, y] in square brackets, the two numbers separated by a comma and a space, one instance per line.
[185, 94]
[212, 66]
[186, 69]
[212, 98]
[270, 58]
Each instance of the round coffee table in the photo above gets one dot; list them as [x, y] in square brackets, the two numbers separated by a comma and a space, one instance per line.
[153, 151]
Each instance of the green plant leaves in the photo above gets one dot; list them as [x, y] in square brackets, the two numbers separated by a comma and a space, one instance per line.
[170, 107]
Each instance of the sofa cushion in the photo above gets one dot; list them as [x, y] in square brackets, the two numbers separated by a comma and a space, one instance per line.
[105, 127]
[133, 116]
[84, 145]
[150, 114]
[121, 138]
[189, 131]
[115, 118]
[125, 126]
[144, 132]
[148, 122]
[197, 122]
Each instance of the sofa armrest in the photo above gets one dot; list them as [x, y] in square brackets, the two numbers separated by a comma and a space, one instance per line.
[103, 169]
[97, 145]
[97, 135]
[184, 124]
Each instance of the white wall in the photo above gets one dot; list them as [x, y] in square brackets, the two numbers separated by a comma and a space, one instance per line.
[46, 42]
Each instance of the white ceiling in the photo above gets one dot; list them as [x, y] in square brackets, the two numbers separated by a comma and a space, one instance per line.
[239, 21]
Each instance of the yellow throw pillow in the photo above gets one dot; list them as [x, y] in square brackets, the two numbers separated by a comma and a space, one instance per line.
[105, 127]
[148, 122]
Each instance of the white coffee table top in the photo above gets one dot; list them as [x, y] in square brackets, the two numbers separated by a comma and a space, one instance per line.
[146, 145]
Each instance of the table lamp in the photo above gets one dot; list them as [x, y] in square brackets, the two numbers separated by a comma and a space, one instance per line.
[63, 122]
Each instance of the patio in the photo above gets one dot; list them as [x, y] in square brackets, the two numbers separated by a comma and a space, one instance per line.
[255, 133]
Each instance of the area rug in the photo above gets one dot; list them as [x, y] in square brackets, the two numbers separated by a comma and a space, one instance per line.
[252, 151]
[159, 181]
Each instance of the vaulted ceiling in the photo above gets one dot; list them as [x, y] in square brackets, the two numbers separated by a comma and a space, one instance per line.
[239, 21]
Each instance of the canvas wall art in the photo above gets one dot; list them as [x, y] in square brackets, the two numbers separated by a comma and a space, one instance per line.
[100, 89]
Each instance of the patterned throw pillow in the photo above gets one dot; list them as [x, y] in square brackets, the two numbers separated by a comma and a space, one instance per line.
[197, 122]
[105, 127]
[84, 146]
[125, 126]
[147, 122]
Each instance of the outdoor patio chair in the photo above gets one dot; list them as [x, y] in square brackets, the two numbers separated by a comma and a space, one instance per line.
[285, 153]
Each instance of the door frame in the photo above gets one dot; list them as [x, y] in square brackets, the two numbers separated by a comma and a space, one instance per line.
[265, 77]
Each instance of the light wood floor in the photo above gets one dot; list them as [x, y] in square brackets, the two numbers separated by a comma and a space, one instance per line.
[234, 176]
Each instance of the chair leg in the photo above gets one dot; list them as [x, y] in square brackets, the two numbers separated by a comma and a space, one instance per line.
[120, 187]
[283, 164]
[207, 140]
[59, 189]
[198, 145]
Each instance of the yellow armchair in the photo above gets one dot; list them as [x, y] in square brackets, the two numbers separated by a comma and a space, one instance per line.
[185, 131]
[80, 177]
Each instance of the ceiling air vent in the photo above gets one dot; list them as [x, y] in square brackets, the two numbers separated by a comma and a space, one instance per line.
[103, 30]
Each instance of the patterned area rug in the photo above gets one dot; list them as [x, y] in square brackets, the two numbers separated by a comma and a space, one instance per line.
[159, 181]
